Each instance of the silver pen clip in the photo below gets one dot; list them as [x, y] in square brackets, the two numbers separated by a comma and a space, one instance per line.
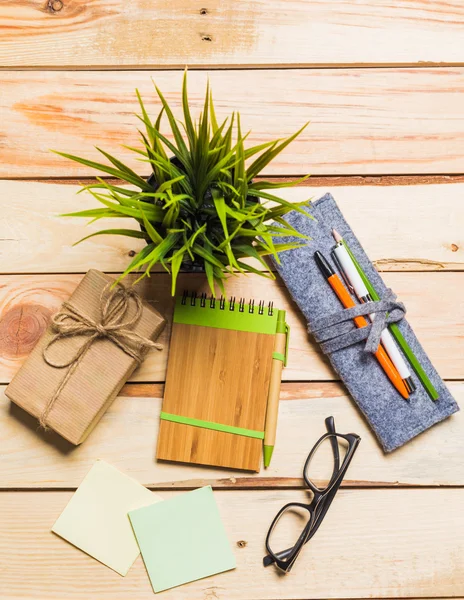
[342, 272]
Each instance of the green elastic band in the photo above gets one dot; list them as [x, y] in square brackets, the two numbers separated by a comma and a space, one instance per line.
[278, 356]
[210, 425]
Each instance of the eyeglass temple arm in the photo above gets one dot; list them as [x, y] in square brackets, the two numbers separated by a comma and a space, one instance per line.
[327, 501]
[330, 425]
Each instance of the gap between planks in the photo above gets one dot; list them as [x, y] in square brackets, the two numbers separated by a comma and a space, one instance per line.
[193, 67]
[313, 181]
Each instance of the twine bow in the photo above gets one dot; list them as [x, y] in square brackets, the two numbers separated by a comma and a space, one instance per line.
[112, 324]
[335, 331]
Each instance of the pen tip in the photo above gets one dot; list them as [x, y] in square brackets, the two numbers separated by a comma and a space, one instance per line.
[268, 450]
[323, 264]
[337, 237]
[404, 392]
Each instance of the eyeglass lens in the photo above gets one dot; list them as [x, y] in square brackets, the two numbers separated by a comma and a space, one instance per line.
[290, 525]
[322, 465]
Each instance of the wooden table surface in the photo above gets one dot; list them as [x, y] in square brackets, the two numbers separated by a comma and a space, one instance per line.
[383, 85]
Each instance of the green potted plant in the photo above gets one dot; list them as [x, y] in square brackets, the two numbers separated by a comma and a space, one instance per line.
[201, 207]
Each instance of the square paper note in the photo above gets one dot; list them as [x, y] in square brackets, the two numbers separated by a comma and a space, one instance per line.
[95, 519]
[182, 539]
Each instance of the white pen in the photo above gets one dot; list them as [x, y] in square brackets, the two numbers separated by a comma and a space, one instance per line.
[347, 266]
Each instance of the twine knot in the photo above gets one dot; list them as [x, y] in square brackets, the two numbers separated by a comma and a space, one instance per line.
[113, 324]
[100, 330]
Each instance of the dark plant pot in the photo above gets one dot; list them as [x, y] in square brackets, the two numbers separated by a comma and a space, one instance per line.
[187, 264]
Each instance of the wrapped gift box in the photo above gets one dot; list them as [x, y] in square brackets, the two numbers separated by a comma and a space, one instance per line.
[90, 366]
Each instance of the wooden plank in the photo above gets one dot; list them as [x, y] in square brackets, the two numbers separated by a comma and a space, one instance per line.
[126, 437]
[27, 301]
[373, 543]
[236, 33]
[364, 121]
[431, 244]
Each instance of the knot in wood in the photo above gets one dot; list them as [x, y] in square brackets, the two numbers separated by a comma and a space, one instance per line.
[55, 6]
[20, 329]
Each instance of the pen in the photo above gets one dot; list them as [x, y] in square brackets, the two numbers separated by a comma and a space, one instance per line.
[347, 301]
[279, 359]
[395, 330]
[347, 266]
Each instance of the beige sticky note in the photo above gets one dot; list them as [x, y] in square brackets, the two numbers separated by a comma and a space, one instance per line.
[95, 519]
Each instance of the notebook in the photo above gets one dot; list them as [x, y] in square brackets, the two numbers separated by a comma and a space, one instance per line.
[217, 382]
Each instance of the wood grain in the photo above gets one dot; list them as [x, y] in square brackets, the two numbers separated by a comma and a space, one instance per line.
[363, 121]
[369, 127]
[433, 244]
[108, 33]
[127, 434]
[26, 302]
[238, 368]
[400, 545]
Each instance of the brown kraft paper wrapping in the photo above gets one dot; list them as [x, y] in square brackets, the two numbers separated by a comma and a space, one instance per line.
[95, 381]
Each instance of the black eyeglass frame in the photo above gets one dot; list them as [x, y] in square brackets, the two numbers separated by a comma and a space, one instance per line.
[321, 501]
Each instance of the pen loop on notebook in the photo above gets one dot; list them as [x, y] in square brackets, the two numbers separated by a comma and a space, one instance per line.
[283, 327]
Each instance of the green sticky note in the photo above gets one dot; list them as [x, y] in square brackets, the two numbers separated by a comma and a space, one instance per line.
[182, 539]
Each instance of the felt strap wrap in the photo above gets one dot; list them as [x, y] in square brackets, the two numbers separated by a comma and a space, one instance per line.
[335, 331]
[211, 425]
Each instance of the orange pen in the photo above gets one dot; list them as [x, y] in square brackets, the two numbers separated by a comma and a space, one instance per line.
[348, 302]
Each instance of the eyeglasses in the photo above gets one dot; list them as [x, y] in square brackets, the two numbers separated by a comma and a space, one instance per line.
[333, 452]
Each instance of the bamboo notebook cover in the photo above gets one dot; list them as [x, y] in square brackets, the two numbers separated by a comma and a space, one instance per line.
[217, 382]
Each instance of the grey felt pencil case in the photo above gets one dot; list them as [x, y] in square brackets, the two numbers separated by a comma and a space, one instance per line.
[394, 420]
